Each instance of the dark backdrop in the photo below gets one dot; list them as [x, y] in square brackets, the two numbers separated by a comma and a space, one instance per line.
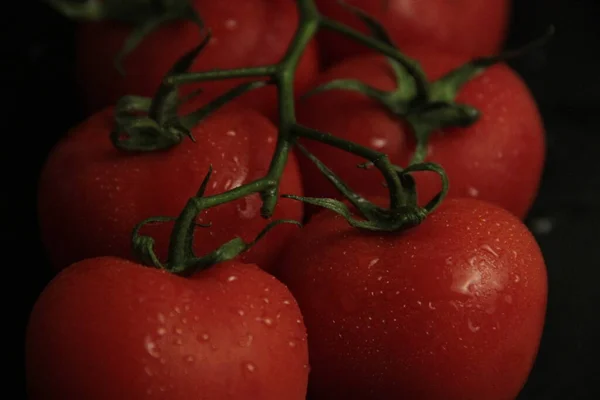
[565, 78]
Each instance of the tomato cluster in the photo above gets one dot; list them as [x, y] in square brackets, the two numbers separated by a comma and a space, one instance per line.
[449, 306]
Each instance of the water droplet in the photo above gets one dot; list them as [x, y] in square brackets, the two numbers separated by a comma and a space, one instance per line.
[177, 341]
[265, 300]
[430, 305]
[473, 192]
[267, 321]
[379, 278]
[292, 344]
[160, 317]
[378, 143]
[517, 279]
[249, 366]
[472, 327]
[177, 330]
[286, 302]
[373, 262]
[151, 347]
[161, 331]
[232, 278]
[184, 320]
[177, 309]
[488, 248]
[230, 133]
[246, 341]
[230, 24]
[241, 313]
[419, 303]
[449, 261]
[298, 321]
[203, 337]
[189, 359]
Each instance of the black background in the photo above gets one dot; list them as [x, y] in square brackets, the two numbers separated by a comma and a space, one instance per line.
[41, 104]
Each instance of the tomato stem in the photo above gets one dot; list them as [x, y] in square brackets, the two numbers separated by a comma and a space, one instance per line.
[145, 16]
[162, 127]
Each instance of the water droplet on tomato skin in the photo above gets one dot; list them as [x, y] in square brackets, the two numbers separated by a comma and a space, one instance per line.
[150, 347]
[246, 341]
[472, 327]
[203, 337]
[489, 249]
[189, 359]
[249, 367]
[266, 321]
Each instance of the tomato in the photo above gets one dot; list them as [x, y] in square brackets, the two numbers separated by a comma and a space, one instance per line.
[451, 309]
[472, 27]
[92, 195]
[244, 34]
[499, 158]
[107, 328]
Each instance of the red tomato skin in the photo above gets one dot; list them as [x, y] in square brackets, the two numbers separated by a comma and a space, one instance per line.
[92, 195]
[471, 27]
[244, 34]
[107, 328]
[452, 309]
[500, 158]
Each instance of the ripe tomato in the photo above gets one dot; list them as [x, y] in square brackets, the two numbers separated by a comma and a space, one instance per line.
[92, 195]
[450, 309]
[498, 159]
[472, 27]
[244, 33]
[107, 328]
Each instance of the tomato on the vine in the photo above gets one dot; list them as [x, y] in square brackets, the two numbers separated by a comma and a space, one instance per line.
[243, 34]
[499, 158]
[471, 27]
[451, 309]
[92, 195]
[107, 328]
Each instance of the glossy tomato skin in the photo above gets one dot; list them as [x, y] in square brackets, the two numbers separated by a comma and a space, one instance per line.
[452, 309]
[471, 27]
[499, 159]
[244, 34]
[108, 328]
[92, 195]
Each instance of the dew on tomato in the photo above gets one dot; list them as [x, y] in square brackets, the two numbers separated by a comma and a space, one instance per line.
[453, 308]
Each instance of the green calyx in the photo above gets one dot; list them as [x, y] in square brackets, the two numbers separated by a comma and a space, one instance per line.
[155, 124]
[145, 16]
[181, 257]
[426, 107]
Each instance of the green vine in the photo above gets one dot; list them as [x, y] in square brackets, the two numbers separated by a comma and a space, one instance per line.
[145, 16]
[425, 105]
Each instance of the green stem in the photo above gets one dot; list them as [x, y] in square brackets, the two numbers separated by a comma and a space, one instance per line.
[411, 66]
[163, 124]
[284, 78]
[180, 236]
[214, 75]
[379, 160]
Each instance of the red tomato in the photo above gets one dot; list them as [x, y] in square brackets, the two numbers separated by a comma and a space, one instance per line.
[471, 27]
[450, 309]
[92, 195]
[107, 328]
[244, 33]
[499, 158]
